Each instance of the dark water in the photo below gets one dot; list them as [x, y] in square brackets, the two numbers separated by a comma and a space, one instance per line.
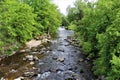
[61, 62]
[51, 68]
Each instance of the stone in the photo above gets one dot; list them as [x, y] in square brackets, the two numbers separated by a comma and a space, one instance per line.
[28, 74]
[80, 60]
[2, 78]
[31, 63]
[36, 58]
[41, 63]
[67, 44]
[19, 78]
[58, 70]
[30, 57]
[13, 71]
[54, 58]
[44, 75]
[61, 59]
[22, 51]
[24, 59]
[34, 68]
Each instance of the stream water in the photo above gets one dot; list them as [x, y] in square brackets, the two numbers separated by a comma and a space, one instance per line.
[62, 62]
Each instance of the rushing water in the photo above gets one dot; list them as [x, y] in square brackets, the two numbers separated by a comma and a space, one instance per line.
[61, 62]
[68, 68]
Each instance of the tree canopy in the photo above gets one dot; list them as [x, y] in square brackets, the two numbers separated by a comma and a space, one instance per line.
[98, 29]
[22, 20]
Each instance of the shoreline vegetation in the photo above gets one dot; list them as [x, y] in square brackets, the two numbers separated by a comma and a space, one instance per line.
[98, 31]
[21, 21]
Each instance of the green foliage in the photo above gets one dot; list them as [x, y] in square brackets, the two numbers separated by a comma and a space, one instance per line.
[65, 21]
[87, 47]
[115, 71]
[22, 20]
[99, 32]
[72, 26]
[47, 15]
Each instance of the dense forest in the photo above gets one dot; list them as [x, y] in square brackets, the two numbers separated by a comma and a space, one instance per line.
[97, 26]
[22, 20]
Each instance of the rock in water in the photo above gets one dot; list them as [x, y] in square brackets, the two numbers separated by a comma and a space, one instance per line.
[61, 59]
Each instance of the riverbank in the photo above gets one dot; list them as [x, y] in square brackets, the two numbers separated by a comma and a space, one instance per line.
[22, 61]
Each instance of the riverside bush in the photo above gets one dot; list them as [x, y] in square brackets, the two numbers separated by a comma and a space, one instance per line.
[99, 32]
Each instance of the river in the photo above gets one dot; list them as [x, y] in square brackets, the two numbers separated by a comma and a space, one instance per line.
[62, 61]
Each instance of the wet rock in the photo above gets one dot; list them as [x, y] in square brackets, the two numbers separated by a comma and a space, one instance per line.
[80, 60]
[32, 63]
[70, 68]
[41, 63]
[34, 49]
[36, 58]
[88, 58]
[19, 78]
[75, 67]
[34, 68]
[24, 59]
[54, 57]
[22, 51]
[58, 70]
[69, 72]
[30, 57]
[34, 52]
[61, 59]
[28, 74]
[75, 75]
[44, 75]
[2, 78]
[67, 44]
[13, 71]
[101, 78]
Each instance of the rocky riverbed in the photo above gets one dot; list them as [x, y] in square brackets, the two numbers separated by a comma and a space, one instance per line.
[53, 60]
